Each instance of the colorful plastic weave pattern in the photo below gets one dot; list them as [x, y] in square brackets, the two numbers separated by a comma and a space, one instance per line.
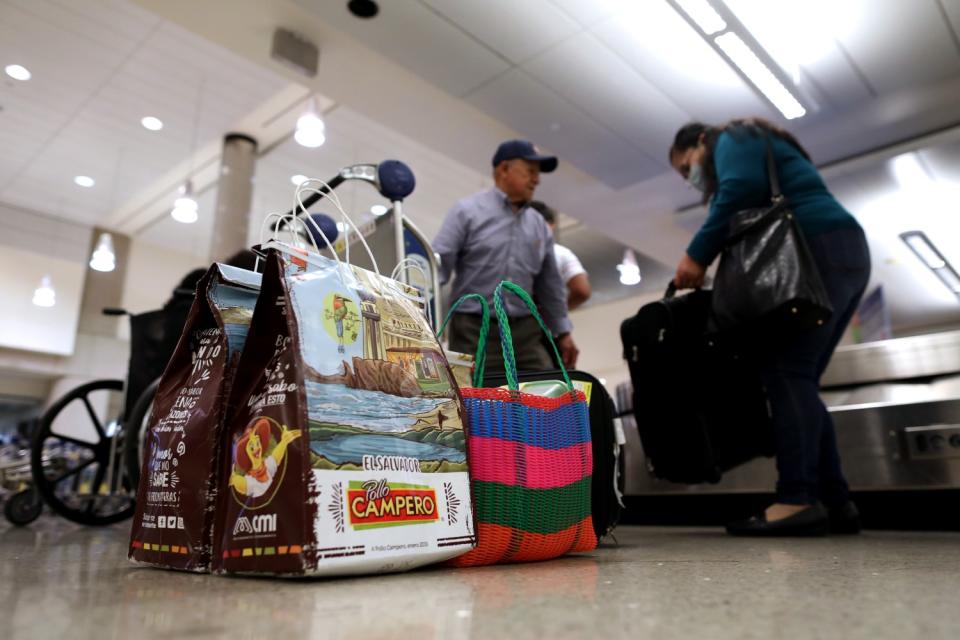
[531, 464]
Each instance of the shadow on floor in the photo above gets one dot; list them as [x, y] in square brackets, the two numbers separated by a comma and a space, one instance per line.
[892, 510]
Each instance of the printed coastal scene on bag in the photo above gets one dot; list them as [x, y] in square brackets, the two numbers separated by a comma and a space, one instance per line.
[383, 425]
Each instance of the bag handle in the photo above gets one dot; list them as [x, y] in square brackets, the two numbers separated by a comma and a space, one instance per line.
[480, 359]
[506, 337]
[327, 192]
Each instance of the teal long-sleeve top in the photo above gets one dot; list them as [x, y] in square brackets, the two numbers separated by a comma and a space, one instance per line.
[740, 158]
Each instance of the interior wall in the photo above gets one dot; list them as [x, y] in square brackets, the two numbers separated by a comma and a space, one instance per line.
[596, 331]
[21, 386]
[153, 273]
[35, 246]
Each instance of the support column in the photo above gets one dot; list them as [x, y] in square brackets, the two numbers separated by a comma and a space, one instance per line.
[234, 193]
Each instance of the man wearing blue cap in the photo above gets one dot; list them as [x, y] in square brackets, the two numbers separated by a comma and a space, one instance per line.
[494, 235]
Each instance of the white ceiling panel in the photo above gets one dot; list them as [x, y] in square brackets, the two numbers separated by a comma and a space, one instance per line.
[193, 239]
[901, 44]
[413, 35]
[944, 163]
[952, 9]
[802, 39]
[599, 82]
[80, 113]
[835, 83]
[588, 12]
[662, 47]
[541, 115]
[533, 26]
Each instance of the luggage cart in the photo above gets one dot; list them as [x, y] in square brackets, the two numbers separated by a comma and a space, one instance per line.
[393, 237]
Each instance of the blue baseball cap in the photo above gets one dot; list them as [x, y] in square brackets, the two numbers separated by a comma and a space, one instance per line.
[512, 149]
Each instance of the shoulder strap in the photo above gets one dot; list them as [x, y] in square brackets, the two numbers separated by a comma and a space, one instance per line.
[772, 172]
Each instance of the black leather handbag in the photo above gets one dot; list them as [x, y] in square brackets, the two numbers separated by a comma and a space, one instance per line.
[767, 277]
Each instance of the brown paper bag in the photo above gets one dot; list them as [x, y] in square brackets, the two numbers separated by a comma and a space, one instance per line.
[173, 522]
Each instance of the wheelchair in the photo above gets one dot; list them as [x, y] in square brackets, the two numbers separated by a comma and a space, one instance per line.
[85, 454]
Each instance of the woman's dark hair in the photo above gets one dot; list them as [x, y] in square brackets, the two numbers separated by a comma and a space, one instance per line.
[689, 136]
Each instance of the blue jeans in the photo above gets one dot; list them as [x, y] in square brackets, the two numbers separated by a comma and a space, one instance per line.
[808, 463]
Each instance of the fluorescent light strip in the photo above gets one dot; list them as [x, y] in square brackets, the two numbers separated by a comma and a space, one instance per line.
[704, 15]
[928, 253]
[760, 75]
[950, 278]
[924, 250]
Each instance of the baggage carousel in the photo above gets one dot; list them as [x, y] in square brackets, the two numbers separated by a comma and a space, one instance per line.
[896, 408]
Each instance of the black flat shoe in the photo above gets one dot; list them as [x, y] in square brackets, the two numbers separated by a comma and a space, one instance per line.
[812, 521]
[845, 519]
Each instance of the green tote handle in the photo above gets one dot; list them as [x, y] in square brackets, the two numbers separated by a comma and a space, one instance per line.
[481, 355]
[506, 338]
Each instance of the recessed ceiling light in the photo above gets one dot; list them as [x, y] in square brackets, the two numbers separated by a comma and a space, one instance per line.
[378, 209]
[151, 123]
[363, 8]
[84, 181]
[17, 72]
[298, 179]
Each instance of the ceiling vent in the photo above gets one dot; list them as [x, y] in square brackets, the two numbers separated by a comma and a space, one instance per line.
[295, 51]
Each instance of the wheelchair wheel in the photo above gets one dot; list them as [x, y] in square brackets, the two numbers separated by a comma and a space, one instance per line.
[77, 456]
[136, 428]
[23, 507]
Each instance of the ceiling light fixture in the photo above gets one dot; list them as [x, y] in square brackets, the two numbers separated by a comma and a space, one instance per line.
[714, 21]
[84, 181]
[797, 34]
[298, 179]
[104, 259]
[760, 75]
[629, 269]
[311, 131]
[18, 72]
[44, 295]
[378, 210]
[930, 255]
[151, 123]
[185, 207]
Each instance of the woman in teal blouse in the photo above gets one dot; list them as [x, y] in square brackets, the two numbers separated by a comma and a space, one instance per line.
[728, 165]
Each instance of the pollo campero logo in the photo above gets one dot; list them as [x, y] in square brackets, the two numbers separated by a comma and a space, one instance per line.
[378, 503]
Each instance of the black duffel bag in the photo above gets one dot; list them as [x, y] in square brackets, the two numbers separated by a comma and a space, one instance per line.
[767, 277]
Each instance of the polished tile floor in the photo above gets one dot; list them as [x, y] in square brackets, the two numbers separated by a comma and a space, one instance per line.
[59, 580]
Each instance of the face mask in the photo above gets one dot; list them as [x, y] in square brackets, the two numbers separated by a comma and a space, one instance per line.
[696, 179]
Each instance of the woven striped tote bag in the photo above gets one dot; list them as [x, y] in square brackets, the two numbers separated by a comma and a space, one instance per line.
[530, 460]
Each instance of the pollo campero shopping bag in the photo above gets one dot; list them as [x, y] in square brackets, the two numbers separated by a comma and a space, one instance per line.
[173, 523]
[346, 453]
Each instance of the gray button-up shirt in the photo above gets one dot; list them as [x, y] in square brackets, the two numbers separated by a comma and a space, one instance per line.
[484, 241]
